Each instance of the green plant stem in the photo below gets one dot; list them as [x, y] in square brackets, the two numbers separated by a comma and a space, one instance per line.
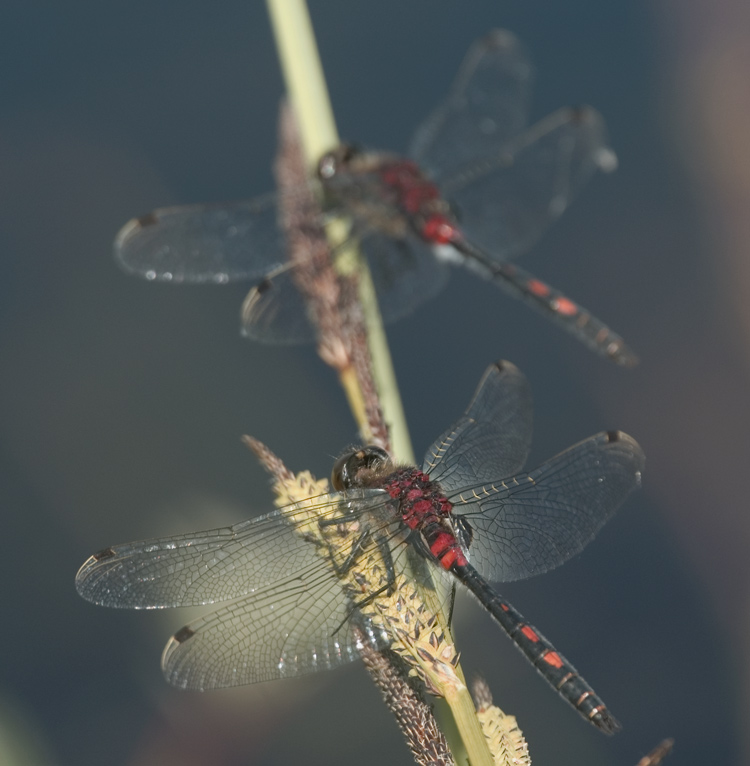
[308, 94]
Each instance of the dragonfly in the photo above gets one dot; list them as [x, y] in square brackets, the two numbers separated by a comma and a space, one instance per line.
[470, 516]
[479, 188]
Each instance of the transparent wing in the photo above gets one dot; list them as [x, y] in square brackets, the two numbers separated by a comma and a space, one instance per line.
[203, 243]
[216, 565]
[486, 106]
[505, 201]
[403, 269]
[492, 438]
[531, 523]
[298, 625]
[275, 311]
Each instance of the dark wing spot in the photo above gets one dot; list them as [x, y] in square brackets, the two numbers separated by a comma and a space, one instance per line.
[263, 286]
[613, 436]
[105, 554]
[183, 634]
[149, 219]
[579, 114]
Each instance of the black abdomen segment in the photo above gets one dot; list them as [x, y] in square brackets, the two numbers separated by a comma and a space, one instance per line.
[540, 652]
[551, 302]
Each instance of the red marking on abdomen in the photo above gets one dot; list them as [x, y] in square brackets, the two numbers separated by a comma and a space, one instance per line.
[530, 633]
[438, 230]
[449, 559]
[441, 544]
[453, 556]
[537, 288]
[565, 306]
[554, 659]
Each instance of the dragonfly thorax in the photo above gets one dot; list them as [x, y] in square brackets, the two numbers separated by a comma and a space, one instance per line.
[422, 504]
[375, 185]
[425, 509]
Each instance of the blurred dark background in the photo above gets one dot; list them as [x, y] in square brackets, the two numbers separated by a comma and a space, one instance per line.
[122, 403]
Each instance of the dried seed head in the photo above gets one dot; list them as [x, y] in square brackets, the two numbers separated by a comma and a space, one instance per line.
[394, 607]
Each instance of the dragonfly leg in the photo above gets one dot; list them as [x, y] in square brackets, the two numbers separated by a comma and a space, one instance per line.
[351, 558]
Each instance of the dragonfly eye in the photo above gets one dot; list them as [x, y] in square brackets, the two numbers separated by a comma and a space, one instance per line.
[348, 470]
[348, 152]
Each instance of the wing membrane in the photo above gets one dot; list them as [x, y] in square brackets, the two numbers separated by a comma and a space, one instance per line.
[275, 311]
[487, 105]
[493, 436]
[534, 522]
[203, 243]
[296, 626]
[216, 565]
[403, 269]
[300, 624]
[506, 200]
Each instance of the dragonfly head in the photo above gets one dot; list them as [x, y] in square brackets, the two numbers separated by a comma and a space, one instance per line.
[359, 468]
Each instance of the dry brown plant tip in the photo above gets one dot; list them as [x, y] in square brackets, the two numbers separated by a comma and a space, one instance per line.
[271, 462]
[332, 298]
[413, 715]
[658, 754]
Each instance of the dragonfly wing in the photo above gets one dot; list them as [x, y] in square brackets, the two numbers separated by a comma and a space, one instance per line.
[507, 199]
[216, 565]
[404, 272]
[487, 105]
[299, 624]
[534, 522]
[275, 311]
[203, 243]
[296, 626]
[492, 438]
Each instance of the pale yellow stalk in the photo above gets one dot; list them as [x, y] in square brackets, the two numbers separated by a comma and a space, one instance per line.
[308, 94]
